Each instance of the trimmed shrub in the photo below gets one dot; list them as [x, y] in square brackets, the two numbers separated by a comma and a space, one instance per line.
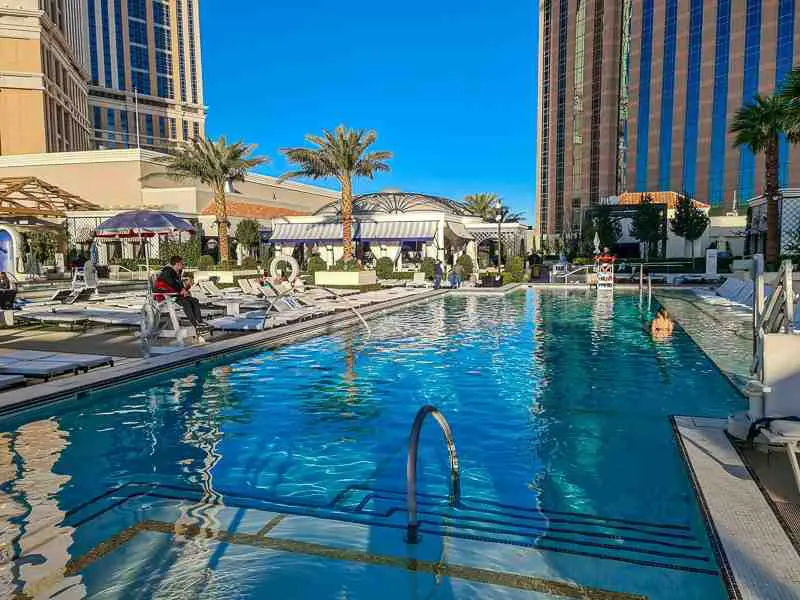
[250, 262]
[206, 262]
[384, 267]
[508, 277]
[342, 265]
[468, 267]
[428, 267]
[189, 251]
[517, 268]
[316, 263]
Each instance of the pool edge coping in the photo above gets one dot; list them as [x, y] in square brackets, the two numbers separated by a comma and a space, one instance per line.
[725, 556]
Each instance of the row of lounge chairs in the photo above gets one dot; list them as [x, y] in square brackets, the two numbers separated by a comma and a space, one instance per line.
[307, 305]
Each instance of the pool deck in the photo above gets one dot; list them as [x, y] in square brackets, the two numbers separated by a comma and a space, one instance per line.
[132, 369]
[757, 557]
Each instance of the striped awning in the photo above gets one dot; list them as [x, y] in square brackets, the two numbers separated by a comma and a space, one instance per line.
[405, 231]
[459, 230]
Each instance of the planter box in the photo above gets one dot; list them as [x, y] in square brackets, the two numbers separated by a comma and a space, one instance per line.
[345, 278]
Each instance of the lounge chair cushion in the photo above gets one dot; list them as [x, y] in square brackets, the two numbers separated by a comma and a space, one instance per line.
[787, 428]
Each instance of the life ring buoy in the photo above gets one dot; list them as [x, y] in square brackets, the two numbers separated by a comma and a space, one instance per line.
[289, 260]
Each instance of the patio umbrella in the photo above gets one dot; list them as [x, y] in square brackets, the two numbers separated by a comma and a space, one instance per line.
[142, 224]
[596, 243]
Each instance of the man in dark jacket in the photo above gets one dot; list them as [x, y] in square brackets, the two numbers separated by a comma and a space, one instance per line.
[169, 282]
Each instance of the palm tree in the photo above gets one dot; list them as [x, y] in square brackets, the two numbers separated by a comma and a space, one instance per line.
[482, 205]
[758, 126]
[216, 164]
[342, 154]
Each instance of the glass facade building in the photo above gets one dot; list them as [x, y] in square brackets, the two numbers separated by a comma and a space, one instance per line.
[733, 51]
[576, 164]
[666, 78]
[136, 47]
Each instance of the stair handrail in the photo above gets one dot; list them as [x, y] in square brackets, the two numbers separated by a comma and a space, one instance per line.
[412, 530]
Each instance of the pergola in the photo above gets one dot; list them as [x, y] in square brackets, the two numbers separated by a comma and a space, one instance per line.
[30, 197]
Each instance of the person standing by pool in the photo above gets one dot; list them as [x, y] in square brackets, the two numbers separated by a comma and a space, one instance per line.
[438, 273]
[661, 327]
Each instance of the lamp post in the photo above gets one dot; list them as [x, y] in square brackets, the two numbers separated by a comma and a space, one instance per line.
[499, 218]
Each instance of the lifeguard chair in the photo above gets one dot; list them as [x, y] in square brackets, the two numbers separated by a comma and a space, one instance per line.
[604, 270]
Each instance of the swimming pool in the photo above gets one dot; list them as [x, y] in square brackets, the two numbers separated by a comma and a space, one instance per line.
[281, 473]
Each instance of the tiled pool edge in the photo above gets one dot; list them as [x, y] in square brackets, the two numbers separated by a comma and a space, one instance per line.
[62, 389]
[757, 559]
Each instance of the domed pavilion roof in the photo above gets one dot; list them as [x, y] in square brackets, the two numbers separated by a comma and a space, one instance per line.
[392, 202]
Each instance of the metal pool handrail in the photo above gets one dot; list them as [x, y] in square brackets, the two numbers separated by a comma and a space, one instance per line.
[412, 535]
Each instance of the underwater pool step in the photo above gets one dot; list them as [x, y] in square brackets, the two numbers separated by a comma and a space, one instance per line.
[659, 545]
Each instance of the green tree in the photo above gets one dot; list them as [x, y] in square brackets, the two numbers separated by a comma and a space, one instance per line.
[343, 154]
[601, 221]
[248, 233]
[758, 126]
[648, 224]
[689, 222]
[216, 164]
[482, 205]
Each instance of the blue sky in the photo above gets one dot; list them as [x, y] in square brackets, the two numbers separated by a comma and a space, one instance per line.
[448, 85]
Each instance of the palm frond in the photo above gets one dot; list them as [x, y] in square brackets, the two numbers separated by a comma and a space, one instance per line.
[340, 153]
[759, 122]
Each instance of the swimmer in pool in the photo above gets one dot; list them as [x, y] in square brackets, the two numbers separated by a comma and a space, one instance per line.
[662, 325]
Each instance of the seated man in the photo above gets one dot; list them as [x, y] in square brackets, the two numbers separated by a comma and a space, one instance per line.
[169, 282]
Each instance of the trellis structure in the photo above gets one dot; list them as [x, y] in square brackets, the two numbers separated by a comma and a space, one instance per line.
[22, 197]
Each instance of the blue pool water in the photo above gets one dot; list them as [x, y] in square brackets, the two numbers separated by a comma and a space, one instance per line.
[559, 403]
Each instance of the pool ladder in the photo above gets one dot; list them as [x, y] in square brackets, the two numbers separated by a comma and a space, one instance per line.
[412, 530]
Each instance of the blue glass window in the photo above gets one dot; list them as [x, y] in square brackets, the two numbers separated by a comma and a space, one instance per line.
[692, 97]
[752, 56]
[181, 49]
[173, 129]
[645, 67]
[163, 134]
[719, 112]
[93, 44]
[192, 49]
[164, 87]
[148, 127]
[137, 9]
[163, 62]
[162, 38]
[98, 118]
[137, 30]
[667, 98]
[123, 121]
[160, 13]
[111, 132]
[120, 44]
[139, 58]
[141, 82]
[106, 43]
[784, 54]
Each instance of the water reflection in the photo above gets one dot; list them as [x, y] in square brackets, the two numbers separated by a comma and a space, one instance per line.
[33, 535]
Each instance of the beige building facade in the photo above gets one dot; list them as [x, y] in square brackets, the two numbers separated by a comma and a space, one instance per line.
[146, 84]
[124, 179]
[44, 69]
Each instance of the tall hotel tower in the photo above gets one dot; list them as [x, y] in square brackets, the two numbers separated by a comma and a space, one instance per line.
[654, 114]
[145, 61]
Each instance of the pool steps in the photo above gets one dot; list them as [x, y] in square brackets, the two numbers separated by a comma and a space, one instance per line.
[672, 546]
